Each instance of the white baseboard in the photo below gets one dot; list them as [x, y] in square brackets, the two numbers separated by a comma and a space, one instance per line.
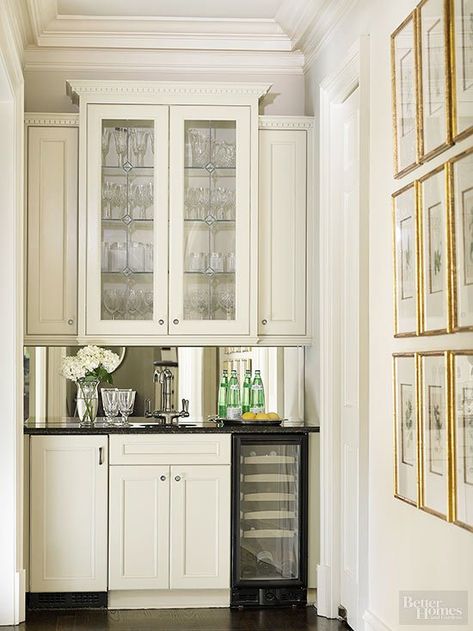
[168, 599]
[324, 596]
[21, 596]
[373, 623]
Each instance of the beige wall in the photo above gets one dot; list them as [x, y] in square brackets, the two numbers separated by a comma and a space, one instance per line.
[45, 91]
[408, 548]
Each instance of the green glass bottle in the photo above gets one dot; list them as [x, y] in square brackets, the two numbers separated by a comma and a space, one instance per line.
[233, 400]
[257, 394]
[246, 395]
[223, 395]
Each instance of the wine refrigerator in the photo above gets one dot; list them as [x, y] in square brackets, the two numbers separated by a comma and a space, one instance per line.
[269, 520]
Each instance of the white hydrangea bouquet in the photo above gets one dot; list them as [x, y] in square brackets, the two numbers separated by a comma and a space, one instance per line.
[88, 368]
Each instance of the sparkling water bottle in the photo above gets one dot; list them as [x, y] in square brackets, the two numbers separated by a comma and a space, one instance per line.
[223, 395]
[257, 394]
[246, 395]
[233, 400]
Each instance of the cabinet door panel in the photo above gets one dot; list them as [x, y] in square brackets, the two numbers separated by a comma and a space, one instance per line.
[52, 230]
[282, 232]
[139, 527]
[68, 522]
[200, 527]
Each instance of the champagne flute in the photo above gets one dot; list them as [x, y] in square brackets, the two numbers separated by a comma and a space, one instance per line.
[106, 137]
[120, 135]
[111, 301]
[140, 143]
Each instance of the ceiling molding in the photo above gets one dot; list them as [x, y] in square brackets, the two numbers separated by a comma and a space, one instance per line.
[38, 119]
[145, 62]
[286, 122]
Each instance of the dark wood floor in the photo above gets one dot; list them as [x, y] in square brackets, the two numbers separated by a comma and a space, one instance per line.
[178, 619]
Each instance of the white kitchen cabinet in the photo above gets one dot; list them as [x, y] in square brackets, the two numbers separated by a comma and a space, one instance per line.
[200, 527]
[68, 513]
[139, 527]
[285, 146]
[52, 175]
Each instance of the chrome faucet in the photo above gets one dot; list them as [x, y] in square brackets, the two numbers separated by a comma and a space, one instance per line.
[164, 376]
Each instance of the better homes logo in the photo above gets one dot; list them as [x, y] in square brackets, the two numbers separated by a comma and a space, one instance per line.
[432, 608]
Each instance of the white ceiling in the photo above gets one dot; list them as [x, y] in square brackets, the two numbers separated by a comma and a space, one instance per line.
[226, 9]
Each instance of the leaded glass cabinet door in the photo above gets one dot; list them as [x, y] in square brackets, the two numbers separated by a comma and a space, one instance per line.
[209, 220]
[127, 219]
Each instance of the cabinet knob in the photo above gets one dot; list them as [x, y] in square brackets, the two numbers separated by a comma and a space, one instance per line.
[70, 321]
[175, 321]
[161, 322]
[177, 478]
[264, 322]
[163, 478]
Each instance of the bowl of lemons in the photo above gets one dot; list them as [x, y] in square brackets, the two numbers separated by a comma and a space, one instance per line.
[253, 417]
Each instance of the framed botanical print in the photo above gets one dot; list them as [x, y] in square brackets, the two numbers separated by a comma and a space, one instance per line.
[461, 20]
[462, 384]
[405, 427]
[433, 434]
[461, 185]
[434, 75]
[434, 253]
[404, 91]
[405, 261]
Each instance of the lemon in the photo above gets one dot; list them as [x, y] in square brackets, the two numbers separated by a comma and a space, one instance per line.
[248, 416]
[273, 416]
[261, 416]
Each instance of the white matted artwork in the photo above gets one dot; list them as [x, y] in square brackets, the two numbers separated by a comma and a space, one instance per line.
[462, 199]
[405, 265]
[433, 427]
[434, 76]
[405, 428]
[462, 71]
[434, 252]
[463, 443]
[404, 87]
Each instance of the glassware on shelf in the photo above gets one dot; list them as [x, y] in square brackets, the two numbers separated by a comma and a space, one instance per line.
[230, 262]
[148, 257]
[198, 301]
[105, 267]
[223, 153]
[197, 202]
[148, 300]
[139, 143]
[136, 256]
[111, 301]
[225, 295]
[108, 193]
[120, 136]
[216, 261]
[196, 262]
[118, 256]
[200, 147]
[126, 403]
[110, 404]
[132, 303]
[151, 139]
[120, 199]
[106, 137]
[141, 197]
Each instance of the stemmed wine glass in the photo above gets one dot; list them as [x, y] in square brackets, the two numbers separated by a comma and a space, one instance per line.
[107, 198]
[140, 142]
[106, 136]
[126, 403]
[148, 300]
[200, 145]
[111, 298]
[132, 303]
[120, 135]
[226, 300]
[121, 198]
[110, 403]
[199, 301]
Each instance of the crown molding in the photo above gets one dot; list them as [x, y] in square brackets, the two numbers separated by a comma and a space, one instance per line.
[39, 119]
[173, 61]
[286, 122]
[77, 89]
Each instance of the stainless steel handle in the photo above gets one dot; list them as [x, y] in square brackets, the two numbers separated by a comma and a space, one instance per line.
[70, 321]
[161, 322]
[177, 478]
[163, 478]
[175, 321]
[264, 322]
[100, 455]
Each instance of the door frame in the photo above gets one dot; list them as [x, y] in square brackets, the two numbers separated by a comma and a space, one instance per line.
[353, 73]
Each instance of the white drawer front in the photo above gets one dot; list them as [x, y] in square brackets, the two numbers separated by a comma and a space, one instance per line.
[165, 449]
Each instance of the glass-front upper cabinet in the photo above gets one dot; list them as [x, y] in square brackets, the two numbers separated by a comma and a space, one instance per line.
[127, 219]
[209, 220]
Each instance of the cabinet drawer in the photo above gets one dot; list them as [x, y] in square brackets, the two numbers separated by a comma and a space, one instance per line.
[165, 449]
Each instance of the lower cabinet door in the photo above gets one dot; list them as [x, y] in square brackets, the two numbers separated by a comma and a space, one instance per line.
[139, 527]
[68, 513]
[200, 527]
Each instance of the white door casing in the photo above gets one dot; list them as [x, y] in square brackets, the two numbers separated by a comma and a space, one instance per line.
[200, 527]
[139, 527]
[68, 517]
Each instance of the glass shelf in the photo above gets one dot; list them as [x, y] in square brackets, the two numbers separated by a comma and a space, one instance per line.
[120, 221]
[210, 275]
[217, 221]
[131, 273]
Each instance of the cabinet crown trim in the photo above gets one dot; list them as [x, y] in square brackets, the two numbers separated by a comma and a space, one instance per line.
[286, 122]
[51, 120]
[76, 89]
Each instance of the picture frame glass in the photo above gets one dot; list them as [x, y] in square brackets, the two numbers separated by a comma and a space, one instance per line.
[434, 427]
[462, 20]
[405, 96]
[462, 187]
[433, 75]
[463, 444]
[405, 263]
[405, 428]
[434, 255]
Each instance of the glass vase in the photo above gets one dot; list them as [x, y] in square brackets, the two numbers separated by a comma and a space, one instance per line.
[87, 401]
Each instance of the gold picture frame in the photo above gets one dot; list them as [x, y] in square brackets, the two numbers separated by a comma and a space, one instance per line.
[461, 68]
[405, 430]
[461, 439]
[433, 76]
[405, 91]
[434, 431]
[405, 261]
[434, 247]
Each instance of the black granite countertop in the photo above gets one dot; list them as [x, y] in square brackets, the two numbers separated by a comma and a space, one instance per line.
[147, 426]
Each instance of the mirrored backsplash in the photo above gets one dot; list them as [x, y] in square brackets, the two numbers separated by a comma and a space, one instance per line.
[196, 373]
